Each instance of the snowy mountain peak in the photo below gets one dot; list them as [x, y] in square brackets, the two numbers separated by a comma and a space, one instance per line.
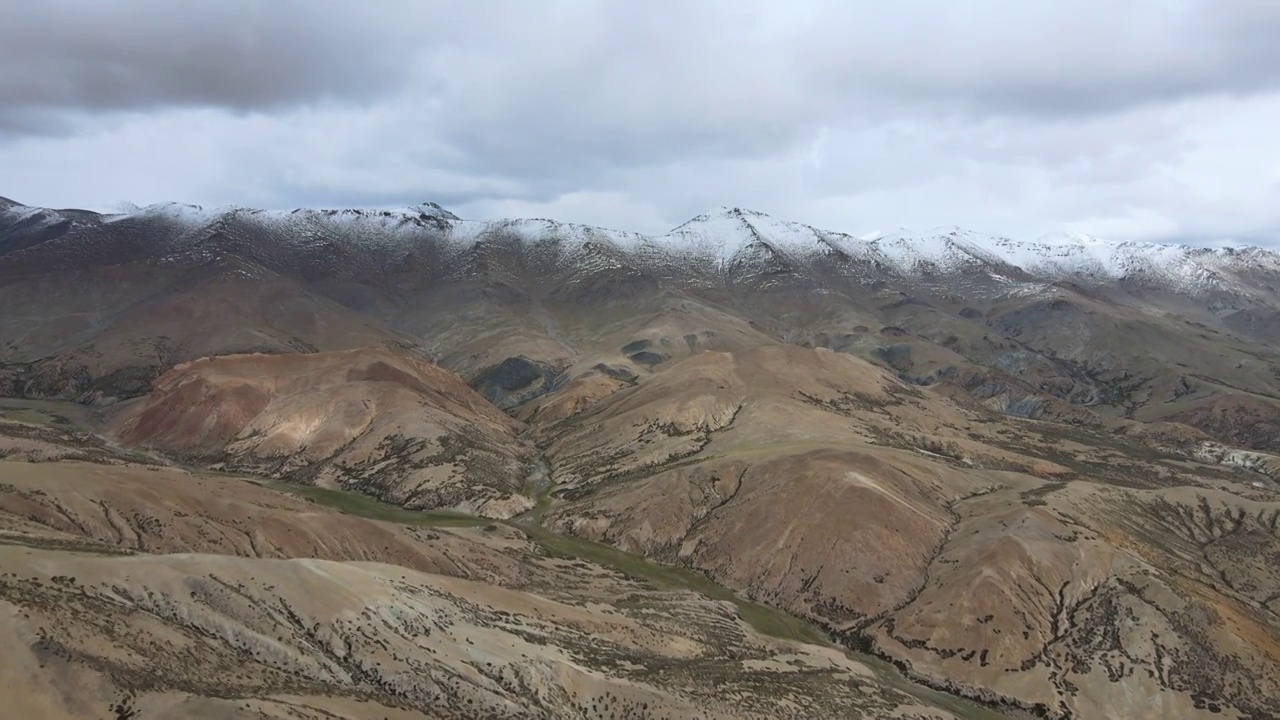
[31, 216]
[734, 211]
[727, 231]
[1063, 237]
[946, 248]
[431, 209]
[175, 211]
[723, 213]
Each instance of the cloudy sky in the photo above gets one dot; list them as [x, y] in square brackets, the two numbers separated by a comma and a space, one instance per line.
[1129, 119]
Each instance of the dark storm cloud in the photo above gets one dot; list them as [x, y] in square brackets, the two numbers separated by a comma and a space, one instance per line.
[82, 56]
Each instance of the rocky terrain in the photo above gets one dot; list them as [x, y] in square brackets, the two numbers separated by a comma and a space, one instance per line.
[1039, 474]
[139, 590]
[391, 425]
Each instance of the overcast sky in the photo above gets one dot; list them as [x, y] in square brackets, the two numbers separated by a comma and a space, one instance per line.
[1128, 119]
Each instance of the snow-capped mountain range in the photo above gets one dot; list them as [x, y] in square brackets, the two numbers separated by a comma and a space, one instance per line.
[98, 303]
[727, 240]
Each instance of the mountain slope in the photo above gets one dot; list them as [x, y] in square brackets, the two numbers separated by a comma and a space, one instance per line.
[378, 420]
[995, 462]
[142, 591]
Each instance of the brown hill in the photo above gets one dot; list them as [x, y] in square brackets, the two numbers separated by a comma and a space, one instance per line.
[375, 419]
[977, 550]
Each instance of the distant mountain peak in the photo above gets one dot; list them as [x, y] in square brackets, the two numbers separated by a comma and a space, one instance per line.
[124, 207]
[735, 211]
[724, 212]
[1063, 237]
[432, 209]
[176, 211]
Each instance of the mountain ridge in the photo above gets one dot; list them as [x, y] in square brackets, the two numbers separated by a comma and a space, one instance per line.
[904, 243]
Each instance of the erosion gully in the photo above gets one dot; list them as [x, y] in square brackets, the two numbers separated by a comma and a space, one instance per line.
[764, 619]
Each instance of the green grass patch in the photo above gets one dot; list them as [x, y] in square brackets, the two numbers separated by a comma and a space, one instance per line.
[776, 623]
[45, 412]
[355, 503]
[761, 618]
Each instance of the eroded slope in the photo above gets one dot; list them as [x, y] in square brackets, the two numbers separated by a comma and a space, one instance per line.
[378, 420]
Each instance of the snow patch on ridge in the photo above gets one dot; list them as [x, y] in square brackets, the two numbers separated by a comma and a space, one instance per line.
[947, 248]
[176, 212]
[735, 240]
[723, 235]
